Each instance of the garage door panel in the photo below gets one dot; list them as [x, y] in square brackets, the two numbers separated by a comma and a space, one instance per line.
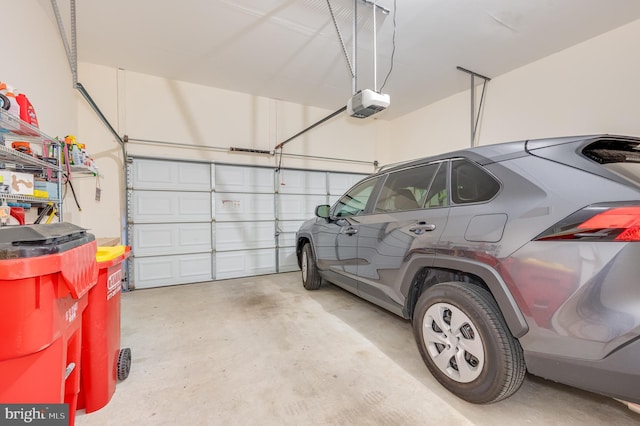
[165, 206]
[287, 239]
[243, 179]
[302, 182]
[287, 232]
[170, 175]
[159, 271]
[290, 225]
[287, 260]
[298, 207]
[243, 263]
[243, 207]
[339, 183]
[171, 238]
[244, 235]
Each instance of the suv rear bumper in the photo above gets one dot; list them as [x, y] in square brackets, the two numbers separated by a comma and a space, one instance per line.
[616, 376]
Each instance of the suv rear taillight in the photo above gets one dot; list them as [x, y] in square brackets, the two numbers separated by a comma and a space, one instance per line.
[598, 222]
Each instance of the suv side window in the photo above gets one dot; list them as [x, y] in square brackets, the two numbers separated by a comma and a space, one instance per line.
[406, 189]
[437, 196]
[471, 184]
[355, 201]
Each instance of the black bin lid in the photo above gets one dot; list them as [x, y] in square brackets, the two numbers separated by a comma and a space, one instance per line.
[41, 239]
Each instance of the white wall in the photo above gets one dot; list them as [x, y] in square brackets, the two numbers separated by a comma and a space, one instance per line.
[103, 217]
[206, 121]
[590, 88]
[34, 62]
[154, 108]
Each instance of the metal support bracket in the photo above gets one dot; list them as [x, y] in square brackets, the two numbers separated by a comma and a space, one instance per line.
[475, 118]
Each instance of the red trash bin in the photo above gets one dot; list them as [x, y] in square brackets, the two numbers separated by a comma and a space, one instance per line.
[103, 362]
[46, 272]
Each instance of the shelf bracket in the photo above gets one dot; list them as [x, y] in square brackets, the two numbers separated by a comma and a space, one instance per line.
[475, 118]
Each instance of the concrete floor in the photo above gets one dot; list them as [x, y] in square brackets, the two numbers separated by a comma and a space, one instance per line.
[264, 351]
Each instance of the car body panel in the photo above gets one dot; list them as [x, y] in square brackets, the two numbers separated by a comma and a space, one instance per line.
[581, 300]
[384, 242]
[335, 251]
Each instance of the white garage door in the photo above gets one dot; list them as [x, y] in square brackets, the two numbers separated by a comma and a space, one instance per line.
[245, 221]
[170, 226]
[299, 192]
[193, 222]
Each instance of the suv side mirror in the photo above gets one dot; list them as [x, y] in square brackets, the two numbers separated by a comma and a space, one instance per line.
[323, 211]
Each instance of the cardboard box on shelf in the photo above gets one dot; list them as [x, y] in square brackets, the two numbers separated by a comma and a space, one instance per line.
[19, 183]
[50, 187]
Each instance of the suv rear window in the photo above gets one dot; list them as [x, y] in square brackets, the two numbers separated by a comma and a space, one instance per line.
[619, 157]
[470, 183]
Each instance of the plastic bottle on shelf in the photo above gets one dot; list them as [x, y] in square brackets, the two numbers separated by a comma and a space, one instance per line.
[85, 157]
[27, 112]
[5, 103]
[61, 145]
[92, 165]
[14, 108]
[5, 212]
[76, 155]
[69, 144]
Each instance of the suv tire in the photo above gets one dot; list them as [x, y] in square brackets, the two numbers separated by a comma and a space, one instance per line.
[465, 342]
[311, 279]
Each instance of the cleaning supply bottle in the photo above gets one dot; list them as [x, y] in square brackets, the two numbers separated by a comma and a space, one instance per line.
[69, 142]
[27, 112]
[83, 152]
[5, 103]
[5, 212]
[14, 108]
[76, 155]
[9, 96]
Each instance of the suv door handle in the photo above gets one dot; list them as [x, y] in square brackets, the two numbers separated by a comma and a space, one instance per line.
[422, 227]
[350, 231]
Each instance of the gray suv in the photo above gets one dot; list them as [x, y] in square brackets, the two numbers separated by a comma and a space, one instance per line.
[508, 258]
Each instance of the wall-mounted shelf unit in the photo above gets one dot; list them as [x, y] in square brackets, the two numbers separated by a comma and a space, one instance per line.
[84, 170]
[42, 165]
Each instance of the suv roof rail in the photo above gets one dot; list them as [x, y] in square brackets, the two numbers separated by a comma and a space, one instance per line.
[392, 165]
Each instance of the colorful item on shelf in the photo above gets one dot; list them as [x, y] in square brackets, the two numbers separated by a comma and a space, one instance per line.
[27, 112]
[7, 91]
[50, 188]
[5, 212]
[17, 104]
[18, 214]
[5, 103]
[24, 147]
[38, 193]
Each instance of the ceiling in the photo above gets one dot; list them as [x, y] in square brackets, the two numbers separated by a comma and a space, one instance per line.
[290, 49]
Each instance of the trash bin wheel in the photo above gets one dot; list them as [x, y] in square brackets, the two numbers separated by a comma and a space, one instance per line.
[124, 363]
